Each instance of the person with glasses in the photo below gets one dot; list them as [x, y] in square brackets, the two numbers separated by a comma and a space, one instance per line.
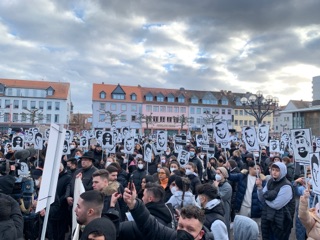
[163, 176]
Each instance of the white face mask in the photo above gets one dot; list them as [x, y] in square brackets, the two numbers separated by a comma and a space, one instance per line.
[188, 172]
[218, 177]
[167, 153]
[72, 146]
[173, 190]
[163, 160]
[201, 156]
[37, 182]
[108, 163]
[125, 160]
[140, 166]
[158, 169]
[172, 169]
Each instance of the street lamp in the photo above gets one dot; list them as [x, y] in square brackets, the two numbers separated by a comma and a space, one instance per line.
[259, 105]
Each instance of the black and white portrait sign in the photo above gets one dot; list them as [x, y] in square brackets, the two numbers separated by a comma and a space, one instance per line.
[69, 136]
[315, 167]
[38, 141]
[183, 157]
[162, 139]
[66, 148]
[128, 144]
[249, 137]
[263, 134]
[179, 142]
[17, 143]
[46, 134]
[147, 152]
[29, 136]
[205, 135]
[199, 140]
[301, 143]
[83, 141]
[274, 146]
[221, 132]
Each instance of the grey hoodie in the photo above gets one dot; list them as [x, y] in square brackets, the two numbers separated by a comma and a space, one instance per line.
[245, 228]
[176, 199]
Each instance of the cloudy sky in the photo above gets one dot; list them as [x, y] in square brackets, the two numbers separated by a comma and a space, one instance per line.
[239, 45]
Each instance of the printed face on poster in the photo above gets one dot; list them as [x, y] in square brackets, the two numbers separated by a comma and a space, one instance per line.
[301, 144]
[274, 146]
[263, 134]
[162, 140]
[147, 154]
[183, 157]
[249, 136]
[221, 132]
[315, 167]
[129, 145]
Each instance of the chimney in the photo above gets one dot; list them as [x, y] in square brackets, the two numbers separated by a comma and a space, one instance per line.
[315, 91]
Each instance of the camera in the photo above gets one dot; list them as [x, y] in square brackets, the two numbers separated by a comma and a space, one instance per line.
[5, 165]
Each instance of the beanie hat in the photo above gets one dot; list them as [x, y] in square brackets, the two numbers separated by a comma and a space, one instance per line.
[224, 171]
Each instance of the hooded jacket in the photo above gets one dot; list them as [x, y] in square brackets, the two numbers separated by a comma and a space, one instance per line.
[101, 225]
[279, 205]
[245, 228]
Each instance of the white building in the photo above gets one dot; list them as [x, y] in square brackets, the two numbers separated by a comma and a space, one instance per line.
[26, 103]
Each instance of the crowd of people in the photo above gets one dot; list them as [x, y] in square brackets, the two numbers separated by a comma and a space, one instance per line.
[231, 194]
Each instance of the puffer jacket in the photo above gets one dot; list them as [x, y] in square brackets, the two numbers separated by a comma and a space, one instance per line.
[309, 219]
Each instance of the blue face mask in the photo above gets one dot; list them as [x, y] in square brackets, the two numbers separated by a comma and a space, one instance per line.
[76, 157]
[191, 154]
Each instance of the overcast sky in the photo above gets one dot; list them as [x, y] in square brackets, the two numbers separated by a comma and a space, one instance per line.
[239, 45]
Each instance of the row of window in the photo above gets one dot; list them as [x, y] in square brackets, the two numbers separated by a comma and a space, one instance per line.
[248, 122]
[114, 106]
[24, 104]
[24, 118]
[210, 111]
[25, 92]
[118, 96]
[150, 108]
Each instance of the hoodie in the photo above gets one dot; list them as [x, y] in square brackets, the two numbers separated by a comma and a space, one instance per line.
[176, 199]
[245, 228]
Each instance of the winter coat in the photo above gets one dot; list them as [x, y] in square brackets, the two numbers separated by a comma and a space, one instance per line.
[8, 230]
[309, 219]
[242, 179]
[195, 181]
[198, 163]
[137, 176]
[245, 228]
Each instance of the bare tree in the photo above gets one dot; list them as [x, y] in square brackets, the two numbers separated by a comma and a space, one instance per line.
[182, 120]
[210, 118]
[147, 119]
[32, 115]
[111, 117]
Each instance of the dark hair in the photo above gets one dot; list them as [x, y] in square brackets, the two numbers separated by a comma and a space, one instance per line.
[252, 164]
[193, 166]
[72, 160]
[93, 199]
[156, 190]
[112, 169]
[191, 211]
[117, 165]
[103, 173]
[208, 190]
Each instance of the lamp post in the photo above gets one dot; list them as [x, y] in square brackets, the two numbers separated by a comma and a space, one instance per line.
[260, 106]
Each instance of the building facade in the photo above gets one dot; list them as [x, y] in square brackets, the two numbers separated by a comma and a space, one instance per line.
[25, 103]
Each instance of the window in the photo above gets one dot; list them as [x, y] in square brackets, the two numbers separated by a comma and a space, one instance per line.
[241, 112]
[192, 110]
[155, 118]
[254, 123]
[169, 109]
[223, 111]
[48, 118]
[40, 118]
[133, 118]
[235, 112]
[113, 107]
[215, 111]
[18, 92]
[15, 104]
[175, 119]
[56, 118]
[183, 109]
[123, 118]
[241, 123]
[57, 106]
[123, 107]
[49, 105]
[149, 97]
[6, 117]
[102, 106]
[9, 91]
[176, 109]
[169, 119]
[15, 117]
[33, 104]
[149, 108]
[198, 110]
[102, 95]
[206, 110]
[224, 102]
[198, 120]
[162, 119]
[133, 97]
[245, 122]
[117, 96]
[23, 117]
[236, 122]
[160, 98]
[194, 100]
[170, 98]
[181, 99]
[156, 108]
[7, 103]
[133, 108]
[24, 104]
[50, 92]
[229, 111]
[162, 108]
[101, 117]
[250, 122]
[209, 101]
[41, 105]
[192, 120]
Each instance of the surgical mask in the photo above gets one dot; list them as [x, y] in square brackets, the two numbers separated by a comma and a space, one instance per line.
[218, 177]
[191, 154]
[201, 156]
[158, 169]
[188, 172]
[172, 169]
[121, 150]
[173, 190]
[184, 235]
[72, 146]
[76, 157]
[163, 160]
[108, 163]
[167, 153]
[140, 166]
